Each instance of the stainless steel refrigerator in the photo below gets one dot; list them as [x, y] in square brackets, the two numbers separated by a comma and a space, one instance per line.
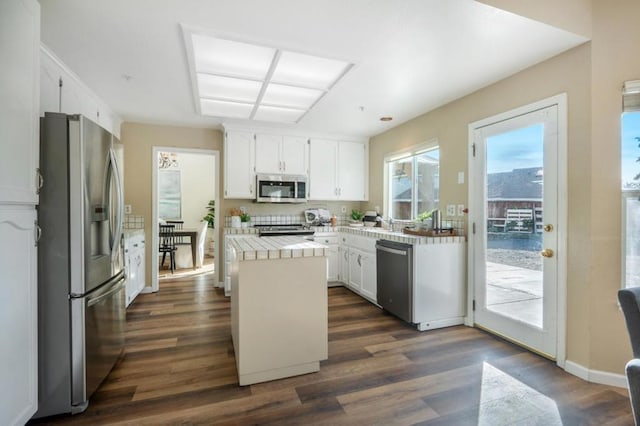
[81, 291]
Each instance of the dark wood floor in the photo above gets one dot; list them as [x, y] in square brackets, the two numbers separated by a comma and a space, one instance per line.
[179, 368]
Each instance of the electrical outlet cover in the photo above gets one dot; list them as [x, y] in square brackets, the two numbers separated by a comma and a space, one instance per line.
[460, 209]
[451, 210]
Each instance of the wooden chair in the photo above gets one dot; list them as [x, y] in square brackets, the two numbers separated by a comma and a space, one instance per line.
[168, 245]
[178, 224]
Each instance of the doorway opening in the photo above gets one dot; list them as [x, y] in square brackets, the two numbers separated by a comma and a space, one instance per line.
[185, 192]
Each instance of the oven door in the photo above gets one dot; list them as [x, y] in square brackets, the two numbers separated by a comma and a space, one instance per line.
[277, 189]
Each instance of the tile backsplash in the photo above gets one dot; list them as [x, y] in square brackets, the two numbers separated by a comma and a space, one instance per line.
[133, 221]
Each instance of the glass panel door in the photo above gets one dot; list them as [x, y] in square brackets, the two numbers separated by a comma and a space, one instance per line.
[515, 250]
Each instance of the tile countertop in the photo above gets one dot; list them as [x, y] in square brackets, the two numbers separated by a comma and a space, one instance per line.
[383, 234]
[252, 247]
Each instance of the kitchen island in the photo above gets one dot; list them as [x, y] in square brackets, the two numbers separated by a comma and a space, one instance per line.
[278, 307]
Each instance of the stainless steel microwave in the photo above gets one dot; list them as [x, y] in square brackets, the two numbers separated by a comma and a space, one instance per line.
[281, 188]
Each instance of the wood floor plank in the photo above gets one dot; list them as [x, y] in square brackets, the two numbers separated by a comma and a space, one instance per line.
[178, 367]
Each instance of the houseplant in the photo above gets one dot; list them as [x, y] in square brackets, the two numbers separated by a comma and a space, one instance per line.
[356, 217]
[244, 219]
[211, 215]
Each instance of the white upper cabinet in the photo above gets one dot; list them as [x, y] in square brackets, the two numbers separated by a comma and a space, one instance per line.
[323, 172]
[338, 170]
[277, 154]
[19, 92]
[239, 165]
[352, 171]
[294, 153]
[62, 91]
[268, 154]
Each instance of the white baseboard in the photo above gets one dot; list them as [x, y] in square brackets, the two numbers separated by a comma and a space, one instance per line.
[596, 376]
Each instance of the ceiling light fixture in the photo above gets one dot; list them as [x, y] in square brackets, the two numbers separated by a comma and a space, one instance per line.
[242, 80]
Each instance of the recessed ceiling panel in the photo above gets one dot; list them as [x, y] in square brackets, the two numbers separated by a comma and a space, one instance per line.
[226, 88]
[289, 96]
[218, 56]
[309, 71]
[225, 109]
[283, 115]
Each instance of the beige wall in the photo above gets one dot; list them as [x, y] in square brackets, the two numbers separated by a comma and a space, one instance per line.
[139, 140]
[616, 37]
[592, 75]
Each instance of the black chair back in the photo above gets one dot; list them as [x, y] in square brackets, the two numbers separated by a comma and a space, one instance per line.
[629, 299]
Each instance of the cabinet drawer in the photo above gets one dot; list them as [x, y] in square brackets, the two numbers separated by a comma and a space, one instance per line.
[327, 240]
[367, 244]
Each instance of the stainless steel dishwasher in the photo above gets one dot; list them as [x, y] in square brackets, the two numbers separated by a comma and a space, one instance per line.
[394, 273]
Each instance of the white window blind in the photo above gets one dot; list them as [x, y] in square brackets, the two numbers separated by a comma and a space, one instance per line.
[631, 96]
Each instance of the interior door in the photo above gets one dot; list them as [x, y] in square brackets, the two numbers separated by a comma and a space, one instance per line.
[516, 216]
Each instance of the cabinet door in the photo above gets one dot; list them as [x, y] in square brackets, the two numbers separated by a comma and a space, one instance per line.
[239, 166]
[18, 314]
[344, 265]
[141, 268]
[294, 154]
[333, 265]
[19, 92]
[369, 279]
[323, 169]
[352, 171]
[355, 269]
[268, 154]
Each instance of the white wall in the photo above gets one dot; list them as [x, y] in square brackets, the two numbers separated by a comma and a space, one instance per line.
[197, 186]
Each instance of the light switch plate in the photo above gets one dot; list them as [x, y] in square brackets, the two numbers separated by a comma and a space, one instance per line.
[343, 209]
[460, 209]
[451, 210]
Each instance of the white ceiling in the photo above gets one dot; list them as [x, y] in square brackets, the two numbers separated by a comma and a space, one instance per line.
[410, 56]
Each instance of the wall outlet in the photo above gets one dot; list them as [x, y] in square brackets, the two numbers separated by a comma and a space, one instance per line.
[460, 209]
[451, 210]
[127, 209]
[343, 209]
[460, 177]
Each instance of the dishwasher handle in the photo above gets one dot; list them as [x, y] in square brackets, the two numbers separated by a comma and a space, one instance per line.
[391, 250]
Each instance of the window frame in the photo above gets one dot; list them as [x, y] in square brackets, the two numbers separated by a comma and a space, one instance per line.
[630, 104]
[409, 152]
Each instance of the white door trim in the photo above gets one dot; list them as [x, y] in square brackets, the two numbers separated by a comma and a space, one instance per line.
[561, 102]
[154, 207]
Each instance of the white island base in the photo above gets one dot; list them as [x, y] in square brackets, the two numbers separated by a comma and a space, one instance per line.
[278, 317]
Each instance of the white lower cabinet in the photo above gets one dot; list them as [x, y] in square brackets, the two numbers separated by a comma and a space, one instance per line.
[358, 265]
[18, 317]
[333, 258]
[134, 264]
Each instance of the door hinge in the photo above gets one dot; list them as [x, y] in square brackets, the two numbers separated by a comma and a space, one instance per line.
[473, 305]
[226, 135]
[473, 227]
[308, 141]
[255, 137]
[60, 83]
[473, 149]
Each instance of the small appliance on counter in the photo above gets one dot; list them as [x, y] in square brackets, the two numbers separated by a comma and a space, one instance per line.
[317, 217]
[370, 218]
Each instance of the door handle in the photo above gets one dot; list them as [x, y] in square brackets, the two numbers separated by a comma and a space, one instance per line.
[546, 253]
[548, 227]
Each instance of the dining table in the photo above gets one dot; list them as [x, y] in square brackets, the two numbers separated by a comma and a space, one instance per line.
[192, 234]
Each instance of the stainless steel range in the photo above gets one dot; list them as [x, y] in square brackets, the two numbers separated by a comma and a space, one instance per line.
[288, 229]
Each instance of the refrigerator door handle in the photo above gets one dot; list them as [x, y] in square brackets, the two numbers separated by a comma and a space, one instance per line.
[115, 173]
[116, 288]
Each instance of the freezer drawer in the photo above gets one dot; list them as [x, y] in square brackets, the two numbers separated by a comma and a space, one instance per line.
[97, 333]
